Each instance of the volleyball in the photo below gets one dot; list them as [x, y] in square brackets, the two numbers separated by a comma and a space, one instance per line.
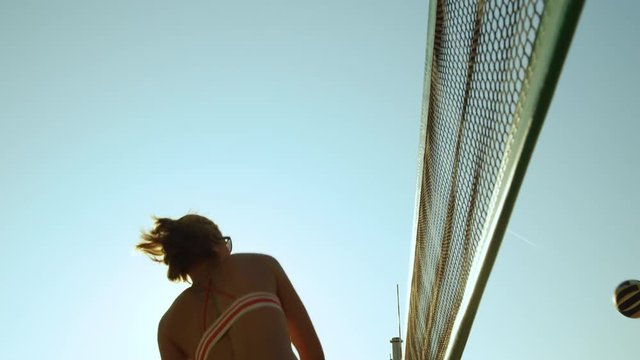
[627, 298]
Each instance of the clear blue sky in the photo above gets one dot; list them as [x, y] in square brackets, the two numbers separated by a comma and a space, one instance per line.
[295, 127]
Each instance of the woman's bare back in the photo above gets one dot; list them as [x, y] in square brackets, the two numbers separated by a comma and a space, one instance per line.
[261, 333]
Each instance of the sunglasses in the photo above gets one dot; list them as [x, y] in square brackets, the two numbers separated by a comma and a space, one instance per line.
[227, 242]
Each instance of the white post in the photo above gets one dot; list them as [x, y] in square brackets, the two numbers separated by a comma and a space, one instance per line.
[396, 348]
[396, 342]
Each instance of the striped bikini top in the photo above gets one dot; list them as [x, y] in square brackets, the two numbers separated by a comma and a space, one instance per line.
[228, 317]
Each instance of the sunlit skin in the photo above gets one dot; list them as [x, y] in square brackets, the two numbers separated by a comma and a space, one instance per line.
[265, 333]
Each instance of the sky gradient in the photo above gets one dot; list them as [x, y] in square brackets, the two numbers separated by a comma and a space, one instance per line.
[295, 127]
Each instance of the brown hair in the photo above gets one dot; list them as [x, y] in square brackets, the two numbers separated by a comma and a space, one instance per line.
[181, 243]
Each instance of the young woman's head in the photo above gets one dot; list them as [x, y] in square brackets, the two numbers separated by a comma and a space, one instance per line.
[183, 243]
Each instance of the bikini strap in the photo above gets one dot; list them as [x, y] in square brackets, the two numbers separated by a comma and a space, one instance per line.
[206, 302]
[222, 292]
[206, 305]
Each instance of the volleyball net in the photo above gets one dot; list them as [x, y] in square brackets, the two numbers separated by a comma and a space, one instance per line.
[491, 70]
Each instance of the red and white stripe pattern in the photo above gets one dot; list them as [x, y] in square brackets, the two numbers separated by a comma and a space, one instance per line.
[234, 312]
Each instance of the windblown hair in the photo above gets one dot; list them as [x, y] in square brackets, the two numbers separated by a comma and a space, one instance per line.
[180, 243]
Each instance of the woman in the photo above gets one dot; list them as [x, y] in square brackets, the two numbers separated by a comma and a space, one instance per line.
[239, 306]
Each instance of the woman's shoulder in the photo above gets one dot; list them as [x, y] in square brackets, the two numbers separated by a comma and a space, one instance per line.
[184, 299]
[171, 316]
[255, 258]
[257, 264]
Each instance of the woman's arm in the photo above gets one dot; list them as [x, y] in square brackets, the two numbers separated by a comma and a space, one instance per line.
[303, 335]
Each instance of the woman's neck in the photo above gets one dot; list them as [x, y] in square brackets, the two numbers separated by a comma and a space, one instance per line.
[201, 273]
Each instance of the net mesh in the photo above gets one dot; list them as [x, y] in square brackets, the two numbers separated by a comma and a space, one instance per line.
[479, 73]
